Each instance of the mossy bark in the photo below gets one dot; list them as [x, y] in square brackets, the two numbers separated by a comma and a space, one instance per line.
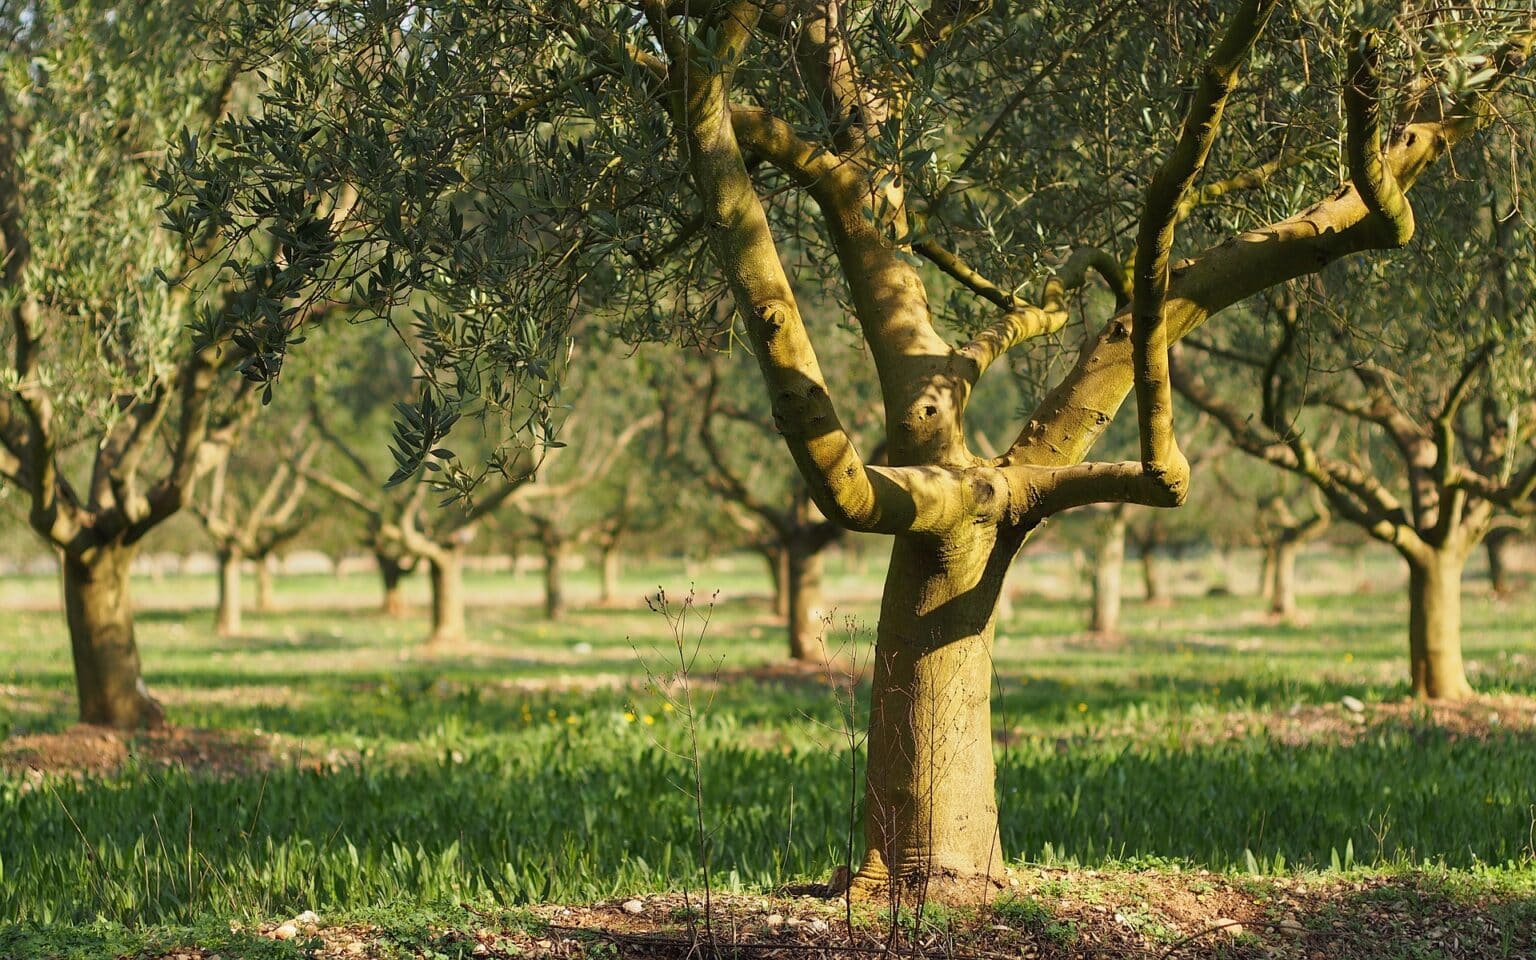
[1108, 566]
[931, 805]
[446, 571]
[227, 621]
[1434, 626]
[99, 611]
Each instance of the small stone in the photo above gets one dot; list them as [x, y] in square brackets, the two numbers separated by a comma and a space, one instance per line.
[308, 916]
[1291, 927]
[634, 907]
[582, 648]
[1352, 705]
[480, 950]
[356, 948]
[794, 922]
[1229, 927]
[285, 932]
[819, 926]
[775, 920]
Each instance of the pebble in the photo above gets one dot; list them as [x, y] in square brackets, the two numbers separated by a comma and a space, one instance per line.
[285, 932]
[775, 920]
[1352, 705]
[819, 926]
[1291, 927]
[634, 907]
[1229, 926]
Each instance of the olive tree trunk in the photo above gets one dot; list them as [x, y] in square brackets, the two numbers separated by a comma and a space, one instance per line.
[1497, 545]
[611, 562]
[1434, 625]
[1267, 573]
[803, 584]
[1108, 564]
[1282, 597]
[392, 572]
[931, 804]
[264, 601]
[99, 611]
[1152, 577]
[228, 620]
[554, 586]
[778, 571]
[447, 575]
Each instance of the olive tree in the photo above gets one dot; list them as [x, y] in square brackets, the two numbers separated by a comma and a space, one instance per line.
[114, 379]
[529, 164]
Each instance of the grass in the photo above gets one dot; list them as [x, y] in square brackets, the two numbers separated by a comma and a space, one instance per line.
[541, 763]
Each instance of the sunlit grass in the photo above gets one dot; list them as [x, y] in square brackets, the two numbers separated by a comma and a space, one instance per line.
[540, 763]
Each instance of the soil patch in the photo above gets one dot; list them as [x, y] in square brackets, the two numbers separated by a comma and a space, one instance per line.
[1049, 913]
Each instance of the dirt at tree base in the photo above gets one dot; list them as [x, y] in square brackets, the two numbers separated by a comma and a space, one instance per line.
[1052, 914]
[86, 750]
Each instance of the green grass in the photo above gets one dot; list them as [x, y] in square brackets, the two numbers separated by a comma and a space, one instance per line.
[525, 769]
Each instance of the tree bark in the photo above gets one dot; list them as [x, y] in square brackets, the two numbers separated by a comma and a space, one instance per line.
[1267, 573]
[264, 603]
[1282, 599]
[99, 611]
[931, 804]
[1108, 562]
[1434, 626]
[612, 562]
[554, 587]
[228, 620]
[447, 574]
[1497, 545]
[392, 572]
[803, 579]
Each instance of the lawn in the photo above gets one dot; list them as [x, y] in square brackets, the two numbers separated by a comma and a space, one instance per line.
[326, 761]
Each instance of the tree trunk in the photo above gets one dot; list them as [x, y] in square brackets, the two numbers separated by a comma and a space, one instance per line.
[1267, 573]
[1497, 545]
[612, 561]
[1108, 562]
[447, 573]
[228, 621]
[803, 579]
[778, 570]
[1434, 626]
[100, 616]
[1152, 577]
[392, 571]
[264, 602]
[1282, 599]
[930, 814]
[554, 589]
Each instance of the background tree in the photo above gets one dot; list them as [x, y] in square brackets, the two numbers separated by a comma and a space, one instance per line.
[252, 507]
[1438, 398]
[866, 136]
[105, 356]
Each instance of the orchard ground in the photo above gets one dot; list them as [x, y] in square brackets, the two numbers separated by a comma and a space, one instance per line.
[1195, 787]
